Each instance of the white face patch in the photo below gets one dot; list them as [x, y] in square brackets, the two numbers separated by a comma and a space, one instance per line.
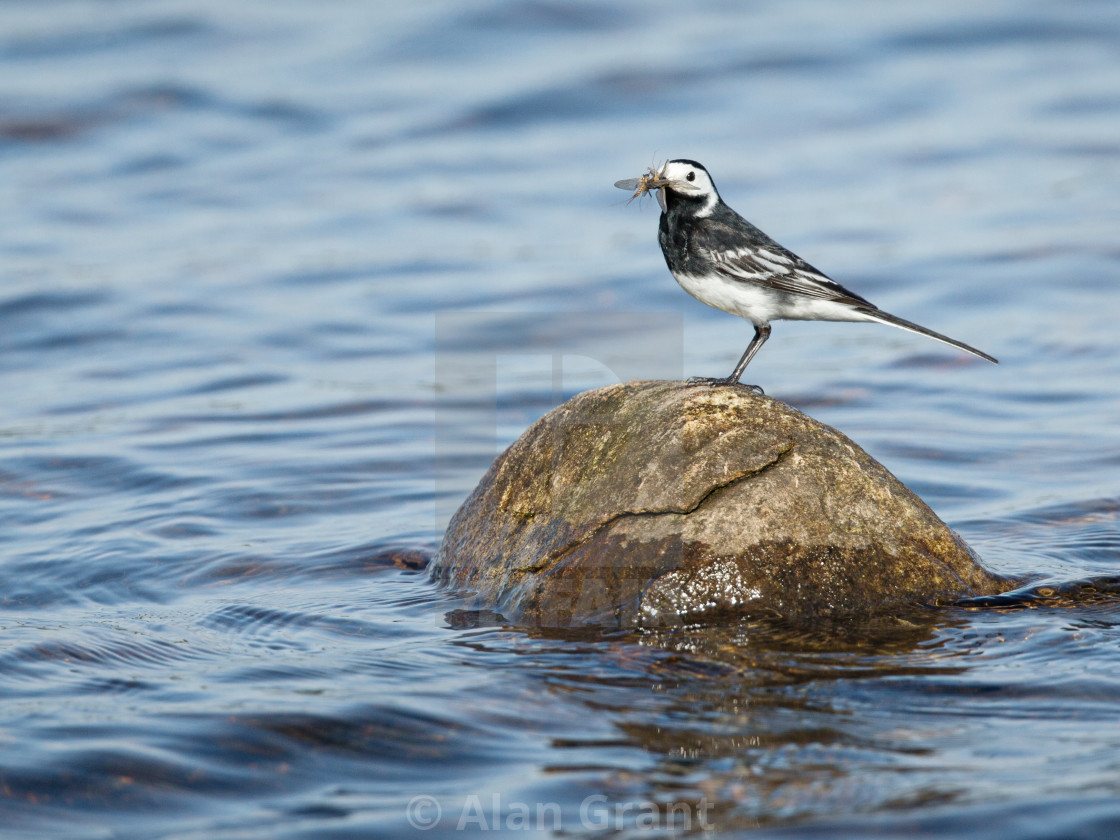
[692, 181]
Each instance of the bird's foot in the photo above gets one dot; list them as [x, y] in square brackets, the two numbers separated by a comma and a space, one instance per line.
[718, 381]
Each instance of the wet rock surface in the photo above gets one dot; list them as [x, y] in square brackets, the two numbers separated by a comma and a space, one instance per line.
[659, 503]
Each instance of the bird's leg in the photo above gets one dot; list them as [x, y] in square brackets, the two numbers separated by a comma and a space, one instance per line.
[761, 333]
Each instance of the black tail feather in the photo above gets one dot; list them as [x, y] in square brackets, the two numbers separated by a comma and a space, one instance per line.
[882, 317]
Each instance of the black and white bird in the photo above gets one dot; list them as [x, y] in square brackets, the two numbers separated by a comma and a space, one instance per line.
[723, 260]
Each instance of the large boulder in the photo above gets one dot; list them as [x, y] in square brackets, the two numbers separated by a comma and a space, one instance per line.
[654, 503]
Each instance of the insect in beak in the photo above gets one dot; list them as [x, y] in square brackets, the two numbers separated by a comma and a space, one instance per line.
[654, 180]
[650, 180]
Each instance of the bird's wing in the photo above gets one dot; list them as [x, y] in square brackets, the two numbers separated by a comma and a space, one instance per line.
[756, 258]
[773, 266]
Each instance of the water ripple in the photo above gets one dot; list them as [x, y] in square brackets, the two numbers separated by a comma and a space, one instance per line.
[233, 429]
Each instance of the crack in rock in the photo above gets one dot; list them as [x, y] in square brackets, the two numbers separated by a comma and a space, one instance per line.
[556, 556]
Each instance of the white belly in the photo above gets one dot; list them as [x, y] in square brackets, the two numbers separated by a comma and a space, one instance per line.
[761, 304]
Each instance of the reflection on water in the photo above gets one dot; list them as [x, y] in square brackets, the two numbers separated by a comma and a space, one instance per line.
[234, 426]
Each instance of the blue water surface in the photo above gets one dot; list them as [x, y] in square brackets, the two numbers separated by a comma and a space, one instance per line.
[280, 279]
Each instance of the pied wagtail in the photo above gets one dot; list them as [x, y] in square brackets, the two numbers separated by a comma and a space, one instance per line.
[723, 260]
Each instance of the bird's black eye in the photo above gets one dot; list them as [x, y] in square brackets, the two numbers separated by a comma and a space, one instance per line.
[691, 176]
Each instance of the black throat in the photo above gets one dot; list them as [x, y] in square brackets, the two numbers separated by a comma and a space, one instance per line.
[682, 204]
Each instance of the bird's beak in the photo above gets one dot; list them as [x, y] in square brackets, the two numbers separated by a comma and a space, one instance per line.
[657, 183]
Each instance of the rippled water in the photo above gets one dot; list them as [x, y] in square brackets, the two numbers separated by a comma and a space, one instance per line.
[280, 279]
